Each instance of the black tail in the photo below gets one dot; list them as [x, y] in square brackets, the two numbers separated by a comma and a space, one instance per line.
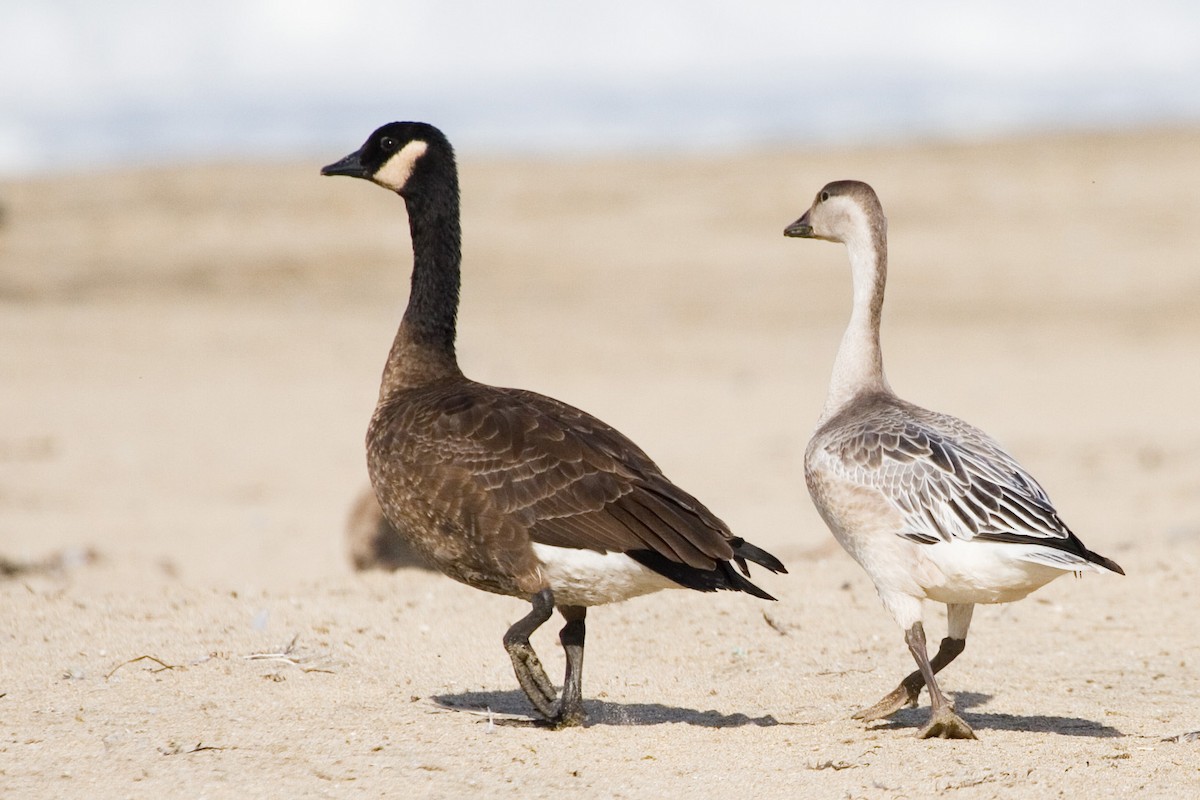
[712, 580]
[1068, 544]
[743, 551]
[1107, 563]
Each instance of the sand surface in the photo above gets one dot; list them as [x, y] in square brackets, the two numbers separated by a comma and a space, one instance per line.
[190, 356]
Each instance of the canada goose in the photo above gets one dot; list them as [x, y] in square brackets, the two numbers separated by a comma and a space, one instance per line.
[931, 507]
[507, 490]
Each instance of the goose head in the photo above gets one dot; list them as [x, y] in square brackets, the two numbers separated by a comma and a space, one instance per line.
[401, 156]
[841, 212]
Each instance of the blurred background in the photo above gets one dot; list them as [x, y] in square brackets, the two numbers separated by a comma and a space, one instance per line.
[193, 324]
[194, 321]
[86, 84]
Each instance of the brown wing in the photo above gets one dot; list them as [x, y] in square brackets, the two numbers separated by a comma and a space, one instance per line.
[504, 455]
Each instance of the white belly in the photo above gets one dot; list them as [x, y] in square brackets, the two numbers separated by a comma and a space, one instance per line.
[588, 578]
[983, 572]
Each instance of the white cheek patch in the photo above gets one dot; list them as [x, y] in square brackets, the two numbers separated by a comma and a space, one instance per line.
[396, 171]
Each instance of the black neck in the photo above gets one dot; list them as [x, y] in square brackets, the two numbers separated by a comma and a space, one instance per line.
[423, 351]
[437, 254]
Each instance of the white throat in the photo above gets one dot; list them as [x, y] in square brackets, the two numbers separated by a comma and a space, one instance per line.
[396, 171]
[859, 364]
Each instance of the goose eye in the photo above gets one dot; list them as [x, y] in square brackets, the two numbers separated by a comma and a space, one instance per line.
[387, 144]
[824, 196]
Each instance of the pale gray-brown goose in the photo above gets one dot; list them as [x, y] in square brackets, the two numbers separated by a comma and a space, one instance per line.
[507, 490]
[931, 507]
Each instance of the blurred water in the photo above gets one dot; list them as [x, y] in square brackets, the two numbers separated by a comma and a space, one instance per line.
[84, 83]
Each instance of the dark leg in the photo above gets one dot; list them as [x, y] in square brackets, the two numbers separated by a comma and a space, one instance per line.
[906, 694]
[570, 708]
[943, 723]
[526, 665]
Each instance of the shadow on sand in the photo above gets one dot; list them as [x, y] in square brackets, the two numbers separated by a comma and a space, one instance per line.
[514, 708]
[914, 718]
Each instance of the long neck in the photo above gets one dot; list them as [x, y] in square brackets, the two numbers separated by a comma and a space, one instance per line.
[859, 365]
[423, 351]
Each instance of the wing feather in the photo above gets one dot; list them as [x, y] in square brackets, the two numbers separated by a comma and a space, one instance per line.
[568, 478]
[948, 479]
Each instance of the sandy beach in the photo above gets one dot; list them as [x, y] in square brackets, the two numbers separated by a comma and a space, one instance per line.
[190, 357]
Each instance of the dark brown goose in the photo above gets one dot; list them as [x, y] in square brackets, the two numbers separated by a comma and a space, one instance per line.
[507, 490]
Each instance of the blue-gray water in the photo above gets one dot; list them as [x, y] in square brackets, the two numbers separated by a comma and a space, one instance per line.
[90, 84]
